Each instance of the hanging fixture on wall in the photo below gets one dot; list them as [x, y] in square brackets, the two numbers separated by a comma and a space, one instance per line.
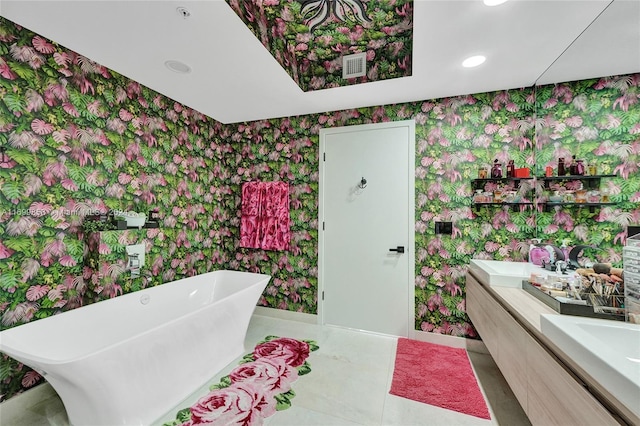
[316, 12]
[362, 184]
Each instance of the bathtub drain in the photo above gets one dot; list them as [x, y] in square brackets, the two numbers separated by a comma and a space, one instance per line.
[144, 299]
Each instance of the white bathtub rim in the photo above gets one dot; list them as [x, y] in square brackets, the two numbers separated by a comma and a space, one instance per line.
[24, 357]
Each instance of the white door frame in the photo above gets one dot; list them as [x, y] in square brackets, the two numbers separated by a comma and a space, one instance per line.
[410, 124]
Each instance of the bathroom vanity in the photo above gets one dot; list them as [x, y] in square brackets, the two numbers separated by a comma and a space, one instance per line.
[551, 386]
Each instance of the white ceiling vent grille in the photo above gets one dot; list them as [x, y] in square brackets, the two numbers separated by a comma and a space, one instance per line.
[354, 65]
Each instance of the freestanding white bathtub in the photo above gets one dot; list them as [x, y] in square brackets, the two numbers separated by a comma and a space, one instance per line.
[128, 360]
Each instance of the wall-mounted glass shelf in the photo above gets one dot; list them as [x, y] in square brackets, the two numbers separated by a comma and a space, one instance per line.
[591, 182]
[514, 206]
[574, 177]
[548, 205]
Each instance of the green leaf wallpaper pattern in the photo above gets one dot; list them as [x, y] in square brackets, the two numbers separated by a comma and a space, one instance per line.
[82, 138]
[313, 57]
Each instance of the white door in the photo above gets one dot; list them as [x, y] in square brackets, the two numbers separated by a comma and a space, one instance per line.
[363, 283]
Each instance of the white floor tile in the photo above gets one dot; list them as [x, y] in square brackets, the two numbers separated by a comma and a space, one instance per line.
[298, 416]
[348, 385]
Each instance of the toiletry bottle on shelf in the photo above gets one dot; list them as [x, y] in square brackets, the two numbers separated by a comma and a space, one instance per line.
[483, 172]
[573, 167]
[561, 167]
[510, 169]
[593, 169]
[496, 170]
[548, 171]
[580, 168]
[565, 249]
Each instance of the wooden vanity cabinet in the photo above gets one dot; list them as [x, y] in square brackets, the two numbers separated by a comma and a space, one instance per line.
[549, 393]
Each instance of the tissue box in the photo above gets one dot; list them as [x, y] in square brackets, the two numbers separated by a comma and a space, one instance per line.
[522, 173]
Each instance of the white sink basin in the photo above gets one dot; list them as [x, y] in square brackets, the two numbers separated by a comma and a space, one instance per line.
[504, 274]
[607, 350]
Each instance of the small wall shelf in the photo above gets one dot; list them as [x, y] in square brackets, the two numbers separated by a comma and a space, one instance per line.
[514, 206]
[592, 206]
[479, 183]
[591, 182]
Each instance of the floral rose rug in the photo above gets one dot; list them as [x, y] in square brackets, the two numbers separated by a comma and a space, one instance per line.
[258, 387]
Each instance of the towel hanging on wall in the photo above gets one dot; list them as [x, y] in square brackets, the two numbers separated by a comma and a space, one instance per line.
[264, 219]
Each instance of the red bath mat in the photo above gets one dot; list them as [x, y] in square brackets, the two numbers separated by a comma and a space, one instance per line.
[437, 375]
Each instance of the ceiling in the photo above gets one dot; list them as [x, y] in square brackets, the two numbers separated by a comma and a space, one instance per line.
[234, 78]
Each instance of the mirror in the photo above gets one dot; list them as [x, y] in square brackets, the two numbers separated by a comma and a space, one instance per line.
[565, 117]
[609, 46]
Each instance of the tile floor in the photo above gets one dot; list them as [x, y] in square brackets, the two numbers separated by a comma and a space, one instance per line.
[348, 385]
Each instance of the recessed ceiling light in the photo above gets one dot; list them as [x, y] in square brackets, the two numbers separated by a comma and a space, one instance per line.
[493, 2]
[473, 61]
[177, 66]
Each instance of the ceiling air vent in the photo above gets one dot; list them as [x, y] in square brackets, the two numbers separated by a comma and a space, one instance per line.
[354, 65]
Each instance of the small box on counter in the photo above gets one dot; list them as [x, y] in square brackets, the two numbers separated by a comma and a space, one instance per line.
[522, 173]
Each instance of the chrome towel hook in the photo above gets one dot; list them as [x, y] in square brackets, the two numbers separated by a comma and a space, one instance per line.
[362, 184]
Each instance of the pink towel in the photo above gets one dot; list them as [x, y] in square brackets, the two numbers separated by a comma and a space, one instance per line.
[265, 216]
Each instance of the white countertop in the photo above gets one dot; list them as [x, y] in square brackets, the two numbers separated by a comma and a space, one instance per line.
[527, 310]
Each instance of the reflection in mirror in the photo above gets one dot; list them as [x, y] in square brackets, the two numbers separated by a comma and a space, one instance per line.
[609, 46]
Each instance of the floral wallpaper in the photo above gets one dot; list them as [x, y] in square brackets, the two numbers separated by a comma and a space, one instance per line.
[80, 138]
[311, 51]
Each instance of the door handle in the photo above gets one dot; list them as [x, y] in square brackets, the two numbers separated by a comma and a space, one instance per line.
[399, 249]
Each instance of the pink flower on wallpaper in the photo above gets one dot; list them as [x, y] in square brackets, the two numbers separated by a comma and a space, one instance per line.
[35, 101]
[29, 269]
[575, 121]
[6, 72]
[36, 292]
[70, 109]
[42, 45]
[291, 351]
[67, 260]
[41, 127]
[26, 140]
[69, 184]
[274, 375]
[30, 379]
[434, 301]
[23, 225]
[242, 403]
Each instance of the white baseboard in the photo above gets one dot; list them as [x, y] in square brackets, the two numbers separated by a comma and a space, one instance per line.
[286, 315]
[451, 341]
[424, 336]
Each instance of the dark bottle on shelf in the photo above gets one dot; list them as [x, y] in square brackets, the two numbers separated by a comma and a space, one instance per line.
[496, 170]
[573, 167]
[561, 167]
[510, 169]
